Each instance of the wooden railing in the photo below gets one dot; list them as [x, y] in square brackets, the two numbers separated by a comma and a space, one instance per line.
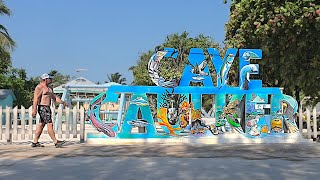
[18, 124]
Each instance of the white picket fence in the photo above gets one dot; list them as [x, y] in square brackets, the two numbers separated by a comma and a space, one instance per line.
[19, 125]
[311, 132]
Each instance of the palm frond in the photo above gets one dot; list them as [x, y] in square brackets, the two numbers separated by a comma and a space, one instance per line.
[4, 55]
[6, 41]
[4, 10]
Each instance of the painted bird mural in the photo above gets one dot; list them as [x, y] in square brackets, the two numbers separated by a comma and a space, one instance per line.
[248, 55]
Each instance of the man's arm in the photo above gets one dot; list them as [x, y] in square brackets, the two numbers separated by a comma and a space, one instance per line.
[36, 97]
[61, 102]
[58, 100]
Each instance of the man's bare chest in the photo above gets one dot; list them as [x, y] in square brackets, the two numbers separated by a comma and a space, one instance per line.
[47, 92]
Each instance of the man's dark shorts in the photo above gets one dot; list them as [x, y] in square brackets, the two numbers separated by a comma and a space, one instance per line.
[45, 114]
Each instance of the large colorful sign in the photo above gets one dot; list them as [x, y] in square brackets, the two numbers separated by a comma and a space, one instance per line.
[248, 109]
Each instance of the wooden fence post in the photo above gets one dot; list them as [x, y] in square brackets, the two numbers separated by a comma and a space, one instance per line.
[66, 122]
[30, 123]
[300, 119]
[74, 121]
[60, 122]
[8, 125]
[1, 122]
[53, 116]
[82, 133]
[23, 122]
[308, 123]
[315, 133]
[15, 123]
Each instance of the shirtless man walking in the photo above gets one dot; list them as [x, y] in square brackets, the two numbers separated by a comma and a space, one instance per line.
[43, 95]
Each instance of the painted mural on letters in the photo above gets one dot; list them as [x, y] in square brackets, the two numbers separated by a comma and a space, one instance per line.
[248, 109]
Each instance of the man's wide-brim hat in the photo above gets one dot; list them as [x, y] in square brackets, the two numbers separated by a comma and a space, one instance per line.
[46, 76]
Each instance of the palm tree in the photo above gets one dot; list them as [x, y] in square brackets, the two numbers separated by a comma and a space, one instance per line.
[116, 77]
[58, 78]
[6, 43]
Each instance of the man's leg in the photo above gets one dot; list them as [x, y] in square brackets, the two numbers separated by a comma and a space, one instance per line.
[39, 129]
[56, 142]
[51, 132]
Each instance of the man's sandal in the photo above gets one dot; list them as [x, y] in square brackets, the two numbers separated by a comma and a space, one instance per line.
[36, 145]
[59, 143]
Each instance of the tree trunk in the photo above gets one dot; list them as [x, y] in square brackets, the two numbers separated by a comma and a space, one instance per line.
[297, 94]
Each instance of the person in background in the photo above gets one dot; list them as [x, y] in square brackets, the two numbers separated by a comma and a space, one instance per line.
[43, 95]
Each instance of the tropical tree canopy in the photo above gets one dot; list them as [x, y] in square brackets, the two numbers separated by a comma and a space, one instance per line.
[6, 43]
[22, 87]
[58, 78]
[287, 31]
[172, 68]
[116, 77]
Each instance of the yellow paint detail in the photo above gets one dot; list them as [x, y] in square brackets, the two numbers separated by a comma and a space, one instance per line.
[264, 129]
[162, 115]
[276, 123]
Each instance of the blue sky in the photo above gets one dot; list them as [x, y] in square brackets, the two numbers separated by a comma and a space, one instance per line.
[103, 36]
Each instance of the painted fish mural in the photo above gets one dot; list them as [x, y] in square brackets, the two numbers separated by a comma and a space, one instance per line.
[139, 101]
[101, 127]
[138, 123]
[252, 113]
[153, 69]
[245, 75]
[223, 73]
[96, 122]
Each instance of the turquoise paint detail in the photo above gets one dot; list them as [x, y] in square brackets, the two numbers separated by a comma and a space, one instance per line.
[153, 67]
[197, 71]
[191, 90]
[247, 116]
[196, 100]
[222, 67]
[172, 112]
[132, 114]
[220, 104]
[293, 102]
[254, 116]
[245, 75]
[235, 97]
[245, 56]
